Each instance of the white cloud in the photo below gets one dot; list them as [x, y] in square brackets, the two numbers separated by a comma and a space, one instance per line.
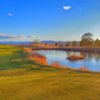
[10, 14]
[8, 37]
[67, 7]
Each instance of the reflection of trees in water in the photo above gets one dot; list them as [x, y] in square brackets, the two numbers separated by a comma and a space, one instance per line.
[71, 52]
[97, 56]
[68, 53]
[87, 55]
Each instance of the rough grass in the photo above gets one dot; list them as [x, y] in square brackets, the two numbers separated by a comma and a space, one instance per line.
[36, 82]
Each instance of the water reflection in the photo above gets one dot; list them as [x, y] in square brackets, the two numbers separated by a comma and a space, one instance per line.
[91, 61]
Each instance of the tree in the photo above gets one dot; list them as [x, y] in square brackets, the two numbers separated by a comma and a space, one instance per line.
[74, 43]
[56, 44]
[36, 41]
[68, 44]
[87, 39]
[87, 36]
[97, 42]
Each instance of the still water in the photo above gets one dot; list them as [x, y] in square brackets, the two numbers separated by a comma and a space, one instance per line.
[91, 60]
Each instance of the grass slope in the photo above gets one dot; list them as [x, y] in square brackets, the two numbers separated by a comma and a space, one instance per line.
[36, 82]
[12, 57]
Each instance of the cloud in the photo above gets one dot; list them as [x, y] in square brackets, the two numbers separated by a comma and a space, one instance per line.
[10, 14]
[14, 37]
[8, 37]
[30, 36]
[67, 7]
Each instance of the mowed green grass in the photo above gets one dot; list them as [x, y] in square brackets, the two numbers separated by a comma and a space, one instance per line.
[12, 57]
[36, 82]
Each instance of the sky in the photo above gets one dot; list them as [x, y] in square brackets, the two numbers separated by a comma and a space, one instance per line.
[64, 20]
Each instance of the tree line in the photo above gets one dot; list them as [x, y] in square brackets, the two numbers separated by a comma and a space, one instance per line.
[86, 41]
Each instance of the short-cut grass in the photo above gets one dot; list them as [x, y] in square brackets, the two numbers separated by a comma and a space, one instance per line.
[28, 81]
[12, 57]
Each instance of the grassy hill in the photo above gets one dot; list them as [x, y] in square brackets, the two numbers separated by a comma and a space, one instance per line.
[21, 79]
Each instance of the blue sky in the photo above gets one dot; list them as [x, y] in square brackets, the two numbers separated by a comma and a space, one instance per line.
[48, 19]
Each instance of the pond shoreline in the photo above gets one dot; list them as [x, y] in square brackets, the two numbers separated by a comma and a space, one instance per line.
[82, 67]
[80, 49]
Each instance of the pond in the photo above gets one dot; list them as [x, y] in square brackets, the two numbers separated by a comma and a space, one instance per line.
[91, 60]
